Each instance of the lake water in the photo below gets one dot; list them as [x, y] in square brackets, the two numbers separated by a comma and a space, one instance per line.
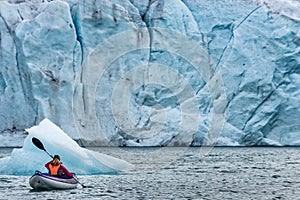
[181, 173]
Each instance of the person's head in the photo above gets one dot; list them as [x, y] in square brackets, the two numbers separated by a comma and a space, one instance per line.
[56, 160]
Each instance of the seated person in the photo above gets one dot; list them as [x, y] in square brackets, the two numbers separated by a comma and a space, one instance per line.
[56, 168]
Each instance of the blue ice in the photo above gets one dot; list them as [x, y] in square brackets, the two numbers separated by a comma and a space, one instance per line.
[25, 160]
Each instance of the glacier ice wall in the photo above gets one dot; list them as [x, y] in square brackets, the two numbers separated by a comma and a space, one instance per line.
[162, 72]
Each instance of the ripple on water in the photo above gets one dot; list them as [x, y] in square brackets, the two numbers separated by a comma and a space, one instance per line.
[226, 173]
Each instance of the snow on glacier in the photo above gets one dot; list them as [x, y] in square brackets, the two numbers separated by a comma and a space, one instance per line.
[25, 160]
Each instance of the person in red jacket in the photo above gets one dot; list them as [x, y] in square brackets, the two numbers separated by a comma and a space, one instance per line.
[56, 168]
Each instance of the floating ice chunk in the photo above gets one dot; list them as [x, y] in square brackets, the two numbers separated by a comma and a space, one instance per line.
[25, 160]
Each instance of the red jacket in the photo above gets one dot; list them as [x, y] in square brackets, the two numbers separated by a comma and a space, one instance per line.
[62, 170]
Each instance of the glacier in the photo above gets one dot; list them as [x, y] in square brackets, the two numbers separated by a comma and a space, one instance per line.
[75, 158]
[153, 73]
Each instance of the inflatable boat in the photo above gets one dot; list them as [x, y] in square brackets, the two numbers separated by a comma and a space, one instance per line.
[44, 181]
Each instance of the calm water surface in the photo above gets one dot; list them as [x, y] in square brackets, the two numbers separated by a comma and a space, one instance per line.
[181, 173]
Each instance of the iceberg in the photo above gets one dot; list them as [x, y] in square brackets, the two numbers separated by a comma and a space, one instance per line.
[25, 160]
